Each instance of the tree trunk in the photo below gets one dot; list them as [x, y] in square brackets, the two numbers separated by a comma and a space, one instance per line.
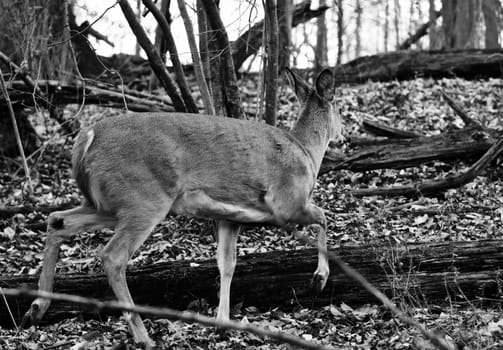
[419, 273]
[492, 13]
[340, 30]
[271, 78]
[231, 96]
[285, 12]
[396, 21]
[386, 24]
[249, 42]
[159, 41]
[433, 33]
[461, 22]
[358, 10]
[321, 50]
[204, 53]
[137, 47]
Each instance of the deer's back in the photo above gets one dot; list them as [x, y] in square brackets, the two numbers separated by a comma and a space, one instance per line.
[207, 165]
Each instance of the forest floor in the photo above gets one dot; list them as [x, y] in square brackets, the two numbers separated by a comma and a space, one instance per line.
[471, 212]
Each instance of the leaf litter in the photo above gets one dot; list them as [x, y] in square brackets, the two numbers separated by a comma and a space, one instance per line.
[471, 212]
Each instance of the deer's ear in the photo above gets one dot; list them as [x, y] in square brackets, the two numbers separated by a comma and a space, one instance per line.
[325, 84]
[298, 84]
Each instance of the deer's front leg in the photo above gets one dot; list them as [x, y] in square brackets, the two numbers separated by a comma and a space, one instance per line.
[321, 274]
[314, 215]
[226, 261]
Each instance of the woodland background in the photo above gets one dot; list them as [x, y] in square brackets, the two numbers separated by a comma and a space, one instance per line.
[413, 194]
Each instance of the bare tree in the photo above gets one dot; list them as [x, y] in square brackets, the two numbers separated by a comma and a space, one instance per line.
[492, 18]
[320, 54]
[461, 23]
[271, 78]
[196, 59]
[285, 16]
[386, 24]
[340, 30]
[358, 12]
[137, 47]
[153, 56]
[433, 34]
[397, 11]
[159, 41]
[231, 97]
[186, 93]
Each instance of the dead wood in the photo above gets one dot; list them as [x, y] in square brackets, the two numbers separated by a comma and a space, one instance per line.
[406, 65]
[464, 144]
[419, 273]
[436, 186]
[387, 131]
[55, 93]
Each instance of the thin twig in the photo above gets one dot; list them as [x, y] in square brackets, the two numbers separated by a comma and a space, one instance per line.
[171, 314]
[26, 78]
[3, 87]
[457, 108]
[8, 309]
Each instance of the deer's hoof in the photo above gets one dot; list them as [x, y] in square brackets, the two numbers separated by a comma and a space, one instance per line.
[32, 316]
[318, 282]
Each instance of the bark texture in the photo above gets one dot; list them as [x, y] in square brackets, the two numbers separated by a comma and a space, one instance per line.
[422, 272]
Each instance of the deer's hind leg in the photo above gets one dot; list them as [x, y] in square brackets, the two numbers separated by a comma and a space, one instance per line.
[133, 227]
[62, 225]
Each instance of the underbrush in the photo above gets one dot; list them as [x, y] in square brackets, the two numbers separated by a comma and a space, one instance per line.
[471, 212]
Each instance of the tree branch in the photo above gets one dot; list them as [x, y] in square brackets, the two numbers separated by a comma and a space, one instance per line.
[420, 32]
[153, 57]
[457, 108]
[173, 54]
[3, 88]
[185, 316]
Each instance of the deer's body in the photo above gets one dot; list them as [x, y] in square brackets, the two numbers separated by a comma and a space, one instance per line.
[223, 170]
[135, 169]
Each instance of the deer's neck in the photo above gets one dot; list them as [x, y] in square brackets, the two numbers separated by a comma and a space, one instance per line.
[312, 131]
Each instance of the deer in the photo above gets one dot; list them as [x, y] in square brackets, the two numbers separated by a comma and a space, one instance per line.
[135, 169]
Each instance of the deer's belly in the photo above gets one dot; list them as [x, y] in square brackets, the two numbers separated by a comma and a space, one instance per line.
[197, 203]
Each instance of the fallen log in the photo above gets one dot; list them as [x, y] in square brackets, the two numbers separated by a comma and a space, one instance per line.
[406, 65]
[57, 93]
[423, 272]
[468, 143]
[436, 186]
